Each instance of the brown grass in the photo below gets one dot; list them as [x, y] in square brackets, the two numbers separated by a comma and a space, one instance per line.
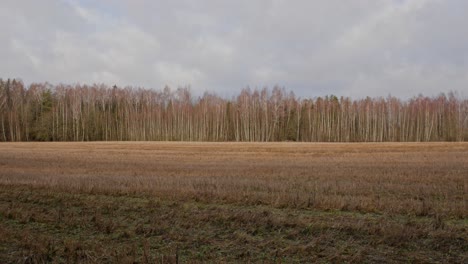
[364, 200]
[416, 179]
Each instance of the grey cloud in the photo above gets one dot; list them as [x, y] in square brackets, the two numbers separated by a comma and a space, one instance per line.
[355, 48]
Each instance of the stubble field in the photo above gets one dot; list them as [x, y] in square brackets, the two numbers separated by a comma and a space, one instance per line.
[233, 202]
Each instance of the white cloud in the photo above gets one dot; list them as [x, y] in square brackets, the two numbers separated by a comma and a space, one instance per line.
[20, 49]
[358, 48]
[175, 75]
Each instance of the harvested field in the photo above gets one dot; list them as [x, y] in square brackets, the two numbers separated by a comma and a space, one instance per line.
[259, 202]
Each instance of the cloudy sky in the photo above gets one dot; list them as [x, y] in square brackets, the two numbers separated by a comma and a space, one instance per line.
[313, 47]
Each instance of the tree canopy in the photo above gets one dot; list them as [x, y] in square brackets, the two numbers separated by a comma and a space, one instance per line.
[44, 112]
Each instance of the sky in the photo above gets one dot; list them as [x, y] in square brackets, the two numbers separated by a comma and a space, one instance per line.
[352, 48]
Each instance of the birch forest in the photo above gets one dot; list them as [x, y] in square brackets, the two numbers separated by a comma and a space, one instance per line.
[45, 112]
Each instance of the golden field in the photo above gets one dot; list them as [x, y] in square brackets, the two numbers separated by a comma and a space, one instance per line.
[168, 202]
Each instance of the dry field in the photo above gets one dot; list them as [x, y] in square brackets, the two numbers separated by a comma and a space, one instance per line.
[233, 202]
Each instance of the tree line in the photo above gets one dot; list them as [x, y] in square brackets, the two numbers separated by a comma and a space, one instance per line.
[45, 112]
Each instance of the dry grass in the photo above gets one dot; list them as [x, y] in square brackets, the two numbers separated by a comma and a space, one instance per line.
[416, 179]
[234, 201]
